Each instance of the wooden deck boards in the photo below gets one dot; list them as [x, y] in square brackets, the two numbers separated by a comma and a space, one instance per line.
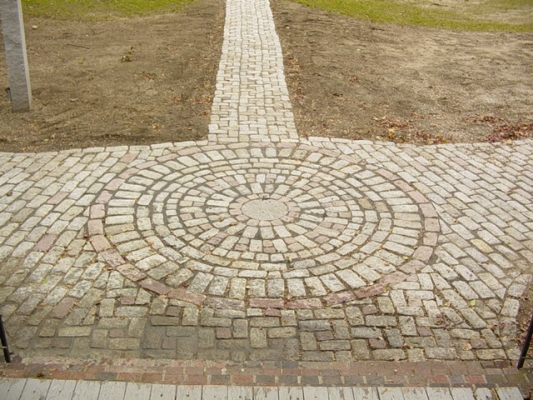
[40, 389]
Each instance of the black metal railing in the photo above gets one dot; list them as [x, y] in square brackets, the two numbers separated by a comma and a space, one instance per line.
[525, 346]
[3, 340]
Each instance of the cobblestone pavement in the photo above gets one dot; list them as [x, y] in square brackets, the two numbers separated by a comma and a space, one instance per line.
[251, 103]
[255, 245]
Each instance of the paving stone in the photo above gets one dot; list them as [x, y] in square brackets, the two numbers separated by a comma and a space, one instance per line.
[366, 333]
[308, 341]
[124, 344]
[74, 331]
[131, 311]
[258, 338]
[164, 321]
[285, 332]
[240, 328]
[372, 320]
[315, 325]
[441, 353]
[335, 345]
[62, 309]
[389, 354]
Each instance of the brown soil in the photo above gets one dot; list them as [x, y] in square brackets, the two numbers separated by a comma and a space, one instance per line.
[148, 80]
[128, 81]
[359, 80]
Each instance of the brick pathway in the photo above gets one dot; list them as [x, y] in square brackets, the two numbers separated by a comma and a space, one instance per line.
[257, 246]
[251, 104]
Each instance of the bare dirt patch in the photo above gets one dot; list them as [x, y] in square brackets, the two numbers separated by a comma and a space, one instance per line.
[151, 80]
[127, 81]
[361, 80]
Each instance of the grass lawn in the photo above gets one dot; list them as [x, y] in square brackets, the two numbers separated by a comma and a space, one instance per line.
[99, 9]
[474, 15]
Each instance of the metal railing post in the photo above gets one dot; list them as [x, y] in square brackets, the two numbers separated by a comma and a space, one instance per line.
[3, 339]
[525, 346]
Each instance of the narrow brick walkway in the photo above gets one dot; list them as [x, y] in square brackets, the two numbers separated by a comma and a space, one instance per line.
[480, 378]
[251, 101]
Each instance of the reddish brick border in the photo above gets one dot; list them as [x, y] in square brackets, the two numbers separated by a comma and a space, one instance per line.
[279, 373]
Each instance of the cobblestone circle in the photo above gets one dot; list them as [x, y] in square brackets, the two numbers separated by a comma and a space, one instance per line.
[278, 222]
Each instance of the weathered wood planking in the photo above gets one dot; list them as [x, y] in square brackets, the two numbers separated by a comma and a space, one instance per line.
[462, 394]
[415, 394]
[509, 393]
[215, 393]
[315, 393]
[112, 391]
[390, 393]
[14, 389]
[365, 393]
[87, 390]
[291, 393]
[165, 392]
[438, 393]
[37, 389]
[61, 390]
[240, 392]
[266, 393]
[137, 391]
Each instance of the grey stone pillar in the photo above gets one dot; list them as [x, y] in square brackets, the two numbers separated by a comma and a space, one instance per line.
[18, 72]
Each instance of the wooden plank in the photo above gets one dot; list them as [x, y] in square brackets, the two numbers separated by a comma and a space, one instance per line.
[138, 391]
[390, 393]
[240, 392]
[437, 393]
[61, 390]
[5, 384]
[165, 392]
[365, 393]
[315, 393]
[35, 389]
[266, 393]
[86, 390]
[485, 394]
[15, 389]
[340, 393]
[112, 391]
[290, 393]
[211, 392]
[509, 393]
[189, 392]
[334, 393]
[462, 394]
[415, 393]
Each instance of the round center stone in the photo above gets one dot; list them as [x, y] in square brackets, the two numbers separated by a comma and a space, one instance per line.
[265, 210]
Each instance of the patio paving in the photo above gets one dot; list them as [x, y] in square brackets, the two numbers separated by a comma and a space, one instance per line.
[257, 246]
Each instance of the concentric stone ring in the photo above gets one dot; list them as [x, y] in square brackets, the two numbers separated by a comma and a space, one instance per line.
[265, 209]
[268, 221]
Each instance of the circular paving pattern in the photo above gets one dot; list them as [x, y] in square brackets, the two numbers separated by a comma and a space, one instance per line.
[287, 221]
[265, 209]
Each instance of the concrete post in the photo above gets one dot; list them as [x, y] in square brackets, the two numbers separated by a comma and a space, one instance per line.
[17, 61]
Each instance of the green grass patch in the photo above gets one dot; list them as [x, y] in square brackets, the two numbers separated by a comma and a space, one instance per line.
[484, 15]
[100, 9]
